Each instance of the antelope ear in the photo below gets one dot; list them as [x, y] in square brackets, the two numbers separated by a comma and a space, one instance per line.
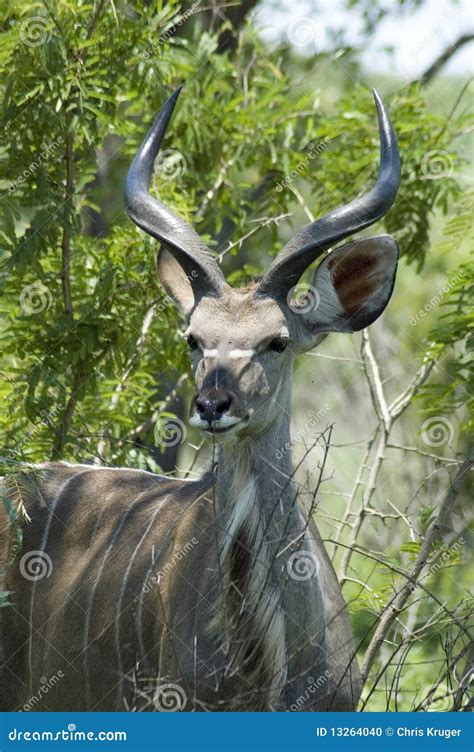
[175, 281]
[353, 285]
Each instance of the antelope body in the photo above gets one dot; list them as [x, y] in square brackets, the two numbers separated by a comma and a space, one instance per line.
[215, 594]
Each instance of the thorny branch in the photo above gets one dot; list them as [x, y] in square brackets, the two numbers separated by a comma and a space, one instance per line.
[440, 524]
[137, 351]
[387, 415]
[65, 422]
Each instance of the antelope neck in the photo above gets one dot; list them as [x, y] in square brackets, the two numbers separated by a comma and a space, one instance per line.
[254, 481]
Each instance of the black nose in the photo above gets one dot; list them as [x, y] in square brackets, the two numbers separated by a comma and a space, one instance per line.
[212, 409]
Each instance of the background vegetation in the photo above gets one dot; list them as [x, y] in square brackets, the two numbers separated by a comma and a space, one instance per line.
[93, 368]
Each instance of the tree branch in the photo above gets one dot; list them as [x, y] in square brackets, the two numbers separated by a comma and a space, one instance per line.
[387, 415]
[393, 609]
[445, 56]
[67, 416]
[403, 400]
[150, 422]
[375, 382]
[66, 235]
[147, 322]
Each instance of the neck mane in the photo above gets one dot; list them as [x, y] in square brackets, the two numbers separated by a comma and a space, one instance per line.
[259, 524]
[254, 479]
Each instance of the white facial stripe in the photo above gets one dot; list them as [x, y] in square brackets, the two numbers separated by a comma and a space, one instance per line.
[211, 353]
[196, 421]
[241, 353]
[225, 421]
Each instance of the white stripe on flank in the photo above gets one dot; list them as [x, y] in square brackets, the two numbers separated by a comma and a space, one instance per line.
[139, 615]
[44, 542]
[125, 516]
[124, 586]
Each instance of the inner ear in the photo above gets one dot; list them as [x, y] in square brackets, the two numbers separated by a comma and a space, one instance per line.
[175, 280]
[353, 285]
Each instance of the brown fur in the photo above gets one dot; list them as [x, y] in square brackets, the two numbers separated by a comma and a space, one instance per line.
[46, 631]
[156, 581]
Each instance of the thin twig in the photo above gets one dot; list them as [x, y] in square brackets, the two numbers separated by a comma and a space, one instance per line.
[137, 350]
[393, 609]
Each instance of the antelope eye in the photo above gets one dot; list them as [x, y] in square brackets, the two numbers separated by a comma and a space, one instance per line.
[192, 342]
[278, 344]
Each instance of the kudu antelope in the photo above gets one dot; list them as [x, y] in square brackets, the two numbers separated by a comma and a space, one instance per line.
[189, 585]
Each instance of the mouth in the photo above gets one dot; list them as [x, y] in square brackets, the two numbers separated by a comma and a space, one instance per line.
[223, 429]
[218, 429]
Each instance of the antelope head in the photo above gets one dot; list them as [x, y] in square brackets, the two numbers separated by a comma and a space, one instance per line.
[243, 341]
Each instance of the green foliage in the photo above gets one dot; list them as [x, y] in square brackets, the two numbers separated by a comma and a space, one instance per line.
[89, 76]
[452, 339]
[91, 345]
